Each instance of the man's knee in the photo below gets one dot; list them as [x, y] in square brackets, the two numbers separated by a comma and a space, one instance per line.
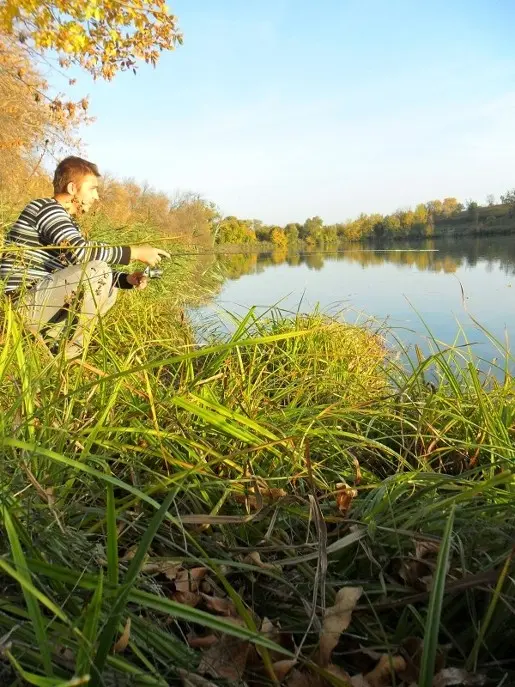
[100, 277]
[97, 269]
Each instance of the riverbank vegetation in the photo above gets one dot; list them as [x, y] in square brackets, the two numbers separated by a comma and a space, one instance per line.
[174, 511]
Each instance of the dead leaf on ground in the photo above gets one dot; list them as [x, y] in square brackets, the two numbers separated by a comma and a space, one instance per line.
[418, 571]
[219, 605]
[225, 659]
[412, 649]
[282, 668]
[194, 680]
[344, 497]
[168, 568]
[189, 580]
[336, 620]
[202, 642]
[255, 559]
[187, 598]
[381, 676]
[129, 554]
[298, 678]
[268, 494]
[123, 640]
[454, 676]
[273, 633]
[425, 548]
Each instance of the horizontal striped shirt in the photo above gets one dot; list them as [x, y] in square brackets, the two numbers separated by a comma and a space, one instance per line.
[46, 238]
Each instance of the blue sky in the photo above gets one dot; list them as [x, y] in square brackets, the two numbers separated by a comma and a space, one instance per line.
[284, 109]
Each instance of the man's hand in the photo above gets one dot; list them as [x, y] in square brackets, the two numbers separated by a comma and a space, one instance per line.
[148, 254]
[138, 280]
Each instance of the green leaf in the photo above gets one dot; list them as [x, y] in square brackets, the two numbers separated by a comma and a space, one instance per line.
[30, 593]
[434, 610]
[122, 596]
[90, 631]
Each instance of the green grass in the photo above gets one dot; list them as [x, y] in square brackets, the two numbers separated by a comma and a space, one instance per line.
[160, 450]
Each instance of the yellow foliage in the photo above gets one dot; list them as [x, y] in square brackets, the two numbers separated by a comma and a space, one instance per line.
[102, 36]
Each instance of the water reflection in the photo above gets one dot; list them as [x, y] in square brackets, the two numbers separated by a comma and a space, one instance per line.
[440, 285]
[434, 255]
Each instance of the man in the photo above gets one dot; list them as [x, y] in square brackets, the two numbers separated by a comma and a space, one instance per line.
[59, 282]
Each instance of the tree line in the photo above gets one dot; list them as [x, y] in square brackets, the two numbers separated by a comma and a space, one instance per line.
[435, 217]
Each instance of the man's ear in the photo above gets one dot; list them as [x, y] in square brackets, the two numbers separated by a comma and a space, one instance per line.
[71, 188]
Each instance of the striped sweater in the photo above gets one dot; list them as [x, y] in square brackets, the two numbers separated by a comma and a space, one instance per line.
[27, 255]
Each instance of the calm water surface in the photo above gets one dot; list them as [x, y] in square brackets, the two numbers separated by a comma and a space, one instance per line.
[440, 284]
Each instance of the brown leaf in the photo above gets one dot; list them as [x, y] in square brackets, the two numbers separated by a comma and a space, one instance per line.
[123, 640]
[187, 598]
[168, 568]
[424, 548]
[202, 642]
[255, 559]
[265, 493]
[338, 673]
[344, 497]
[337, 619]
[381, 676]
[454, 676]
[218, 605]
[298, 678]
[282, 668]
[189, 580]
[226, 659]
[194, 680]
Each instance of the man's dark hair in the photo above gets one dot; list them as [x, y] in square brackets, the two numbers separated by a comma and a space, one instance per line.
[72, 169]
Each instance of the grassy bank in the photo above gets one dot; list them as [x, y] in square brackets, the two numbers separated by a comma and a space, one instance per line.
[170, 510]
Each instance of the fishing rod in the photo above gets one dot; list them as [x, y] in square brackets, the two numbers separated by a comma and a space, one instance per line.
[304, 252]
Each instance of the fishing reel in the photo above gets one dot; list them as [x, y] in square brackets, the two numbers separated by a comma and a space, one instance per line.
[152, 272]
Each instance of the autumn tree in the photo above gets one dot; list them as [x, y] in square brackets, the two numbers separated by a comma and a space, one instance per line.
[292, 232]
[312, 229]
[451, 206]
[101, 36]
[279, 238]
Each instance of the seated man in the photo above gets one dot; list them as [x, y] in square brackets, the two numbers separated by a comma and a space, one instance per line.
[53, 274]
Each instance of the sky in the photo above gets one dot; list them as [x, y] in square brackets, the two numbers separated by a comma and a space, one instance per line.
[283, 109]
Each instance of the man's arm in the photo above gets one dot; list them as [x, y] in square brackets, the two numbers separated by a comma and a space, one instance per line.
[55, 228]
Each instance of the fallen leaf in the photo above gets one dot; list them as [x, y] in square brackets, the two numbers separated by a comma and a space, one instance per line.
[412, 649]
[344, 497]
[202, 642]
[338, 673]
[194, 680]
[189, 580]
[274, 634]
[123, 640]
[265, 493]
[381, 676]
[187, 598]
[282, 668]
[255, 559]
[298, 678]
[130, 553]
[165, 567]
[454, 676]
[336, 620]
[226, 659]
[218, 605]
[423, 547]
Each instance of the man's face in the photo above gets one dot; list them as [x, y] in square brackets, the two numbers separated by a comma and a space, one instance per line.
[87, 193]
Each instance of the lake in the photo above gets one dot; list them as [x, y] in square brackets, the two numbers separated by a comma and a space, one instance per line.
[441, 284]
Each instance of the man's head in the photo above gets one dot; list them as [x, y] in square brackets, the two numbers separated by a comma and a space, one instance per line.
[76, 179]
